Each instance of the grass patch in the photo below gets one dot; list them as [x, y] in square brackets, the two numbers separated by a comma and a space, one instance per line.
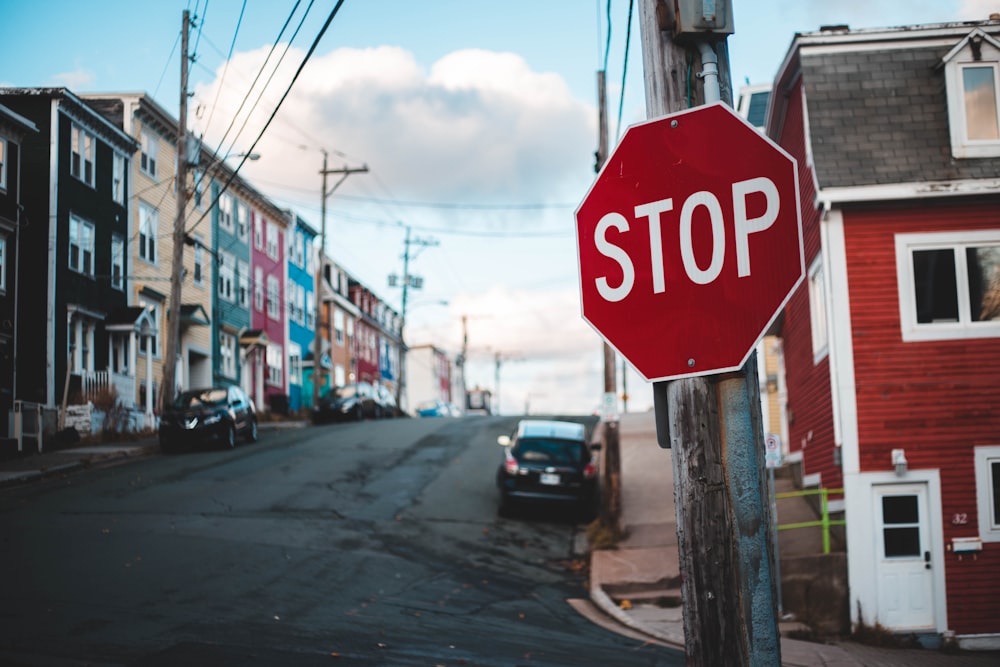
[604, 536]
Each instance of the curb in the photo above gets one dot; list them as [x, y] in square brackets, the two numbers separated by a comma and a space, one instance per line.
[604, 602]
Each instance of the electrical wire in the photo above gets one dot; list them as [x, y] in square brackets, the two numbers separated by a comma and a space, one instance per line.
[225, 68]
[628, 37]
[312, 49]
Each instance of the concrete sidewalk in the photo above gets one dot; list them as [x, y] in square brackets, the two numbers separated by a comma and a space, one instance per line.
[638, 583]
[32, 466]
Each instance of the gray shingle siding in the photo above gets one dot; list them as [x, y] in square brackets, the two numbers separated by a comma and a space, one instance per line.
[881, 117]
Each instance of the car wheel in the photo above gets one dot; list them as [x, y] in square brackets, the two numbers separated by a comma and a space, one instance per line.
[359, 413]
[252, 431]
[229, 437]
[166, 446]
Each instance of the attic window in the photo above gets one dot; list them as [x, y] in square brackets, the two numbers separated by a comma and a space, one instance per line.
[972, 78]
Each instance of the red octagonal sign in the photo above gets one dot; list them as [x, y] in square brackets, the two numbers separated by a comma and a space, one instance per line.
[690, 242]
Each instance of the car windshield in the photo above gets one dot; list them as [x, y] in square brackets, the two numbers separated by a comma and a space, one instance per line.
[195, 399]
[543, 450]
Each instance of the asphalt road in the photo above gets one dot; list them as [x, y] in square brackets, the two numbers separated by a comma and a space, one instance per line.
[374, 543]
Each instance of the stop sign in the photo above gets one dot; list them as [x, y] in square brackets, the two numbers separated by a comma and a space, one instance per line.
[690, 242]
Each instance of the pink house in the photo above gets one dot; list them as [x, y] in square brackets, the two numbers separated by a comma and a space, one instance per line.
[268, 384]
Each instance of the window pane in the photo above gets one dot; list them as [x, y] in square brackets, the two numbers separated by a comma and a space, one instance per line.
[901, 542]
[984, 282]
[899, 509]
[995, 488]
[935, 287]
[980, 103]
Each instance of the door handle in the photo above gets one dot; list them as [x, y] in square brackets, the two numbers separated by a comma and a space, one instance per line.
[927, 560]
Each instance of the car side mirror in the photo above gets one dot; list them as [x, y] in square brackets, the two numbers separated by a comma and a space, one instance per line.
[504, 440]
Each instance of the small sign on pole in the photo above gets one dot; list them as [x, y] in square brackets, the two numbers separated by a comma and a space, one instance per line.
[772, 451]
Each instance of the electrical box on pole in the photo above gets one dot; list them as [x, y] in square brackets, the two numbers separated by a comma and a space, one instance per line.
[701, 18]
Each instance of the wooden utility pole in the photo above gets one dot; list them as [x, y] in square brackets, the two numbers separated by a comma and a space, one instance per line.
[713, 426]
[318, 371]
[172, 347]
[610, 382]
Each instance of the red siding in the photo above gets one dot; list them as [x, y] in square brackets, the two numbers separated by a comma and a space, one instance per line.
[937, 400]
[810, 407]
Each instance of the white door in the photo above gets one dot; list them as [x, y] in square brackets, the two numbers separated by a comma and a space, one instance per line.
[905, 570]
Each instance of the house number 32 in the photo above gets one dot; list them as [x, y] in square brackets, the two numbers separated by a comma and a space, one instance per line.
[960, 519]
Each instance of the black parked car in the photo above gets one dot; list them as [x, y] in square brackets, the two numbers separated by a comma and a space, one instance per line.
[214, 414]
[548, 461]
[350, 402]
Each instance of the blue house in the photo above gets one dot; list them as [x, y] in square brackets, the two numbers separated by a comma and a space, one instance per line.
[301, 308]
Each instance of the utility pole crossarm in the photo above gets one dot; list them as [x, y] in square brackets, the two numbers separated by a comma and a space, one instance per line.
[344, 171]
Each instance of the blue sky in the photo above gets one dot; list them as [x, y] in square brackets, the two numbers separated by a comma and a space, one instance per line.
[477, 121]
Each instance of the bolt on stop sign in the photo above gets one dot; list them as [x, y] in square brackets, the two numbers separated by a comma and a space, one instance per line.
[690, 243]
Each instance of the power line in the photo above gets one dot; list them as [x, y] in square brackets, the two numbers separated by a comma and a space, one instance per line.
[312, 49]
[628, 36]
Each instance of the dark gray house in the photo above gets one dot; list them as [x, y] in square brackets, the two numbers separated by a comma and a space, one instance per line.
[72, 240]
[14, 128]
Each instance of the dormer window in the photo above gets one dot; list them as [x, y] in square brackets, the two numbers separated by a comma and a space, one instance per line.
[972, 77]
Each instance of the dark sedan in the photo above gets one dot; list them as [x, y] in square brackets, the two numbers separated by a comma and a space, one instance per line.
[350, 402]
[548, 461]
[218, 414]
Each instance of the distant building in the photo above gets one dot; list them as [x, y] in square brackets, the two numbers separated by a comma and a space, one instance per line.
[428, 375]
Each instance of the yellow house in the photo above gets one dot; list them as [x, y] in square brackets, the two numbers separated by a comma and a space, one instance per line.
[153, 207]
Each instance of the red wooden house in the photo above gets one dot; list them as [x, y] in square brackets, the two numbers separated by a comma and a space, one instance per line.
[892, 345]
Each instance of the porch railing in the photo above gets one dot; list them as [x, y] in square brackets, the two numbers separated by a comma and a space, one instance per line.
[824, 521]
[93, 383]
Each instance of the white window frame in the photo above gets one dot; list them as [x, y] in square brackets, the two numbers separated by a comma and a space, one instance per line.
[989, 525]
[226, 205]
[242, 219]
[149, 227]
[118, 178]
[81, 245]
[198, 275]
[3, 164]
[272, 239]
[198, 190]
[818, 310]
[149, 150]
[275, 365]
[258, 289]
[956, 62]
[227, 354]
[273, 297]
[338, 326]
[258, 232]
[294, 363]
[155, 309]
[227, 276]
[243, 284]
[310, 310]
[117, 277]
[965, 328]
[3, 263]
[82, 149]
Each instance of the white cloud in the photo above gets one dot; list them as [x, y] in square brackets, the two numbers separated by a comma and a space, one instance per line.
[79, 79]
[480, 127]
[477, 127]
